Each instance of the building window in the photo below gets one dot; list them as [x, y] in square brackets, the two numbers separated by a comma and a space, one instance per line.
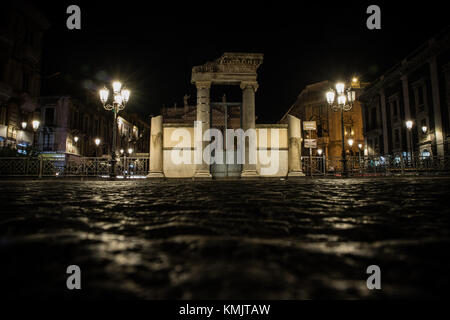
[420, 97]
[395, 111]
[49, 116]
[373, 118]
[397, 138]
[26, 82]
[425, 153]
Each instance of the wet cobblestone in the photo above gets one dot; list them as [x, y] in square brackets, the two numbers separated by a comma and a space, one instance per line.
[226, 239]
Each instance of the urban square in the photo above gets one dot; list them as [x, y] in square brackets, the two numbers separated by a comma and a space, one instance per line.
[197, 154]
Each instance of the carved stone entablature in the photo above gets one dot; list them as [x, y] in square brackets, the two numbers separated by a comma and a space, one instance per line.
[230, 68]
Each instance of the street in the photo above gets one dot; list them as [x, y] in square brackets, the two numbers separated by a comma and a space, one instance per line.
[277, 239]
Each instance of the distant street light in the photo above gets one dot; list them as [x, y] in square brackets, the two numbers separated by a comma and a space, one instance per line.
[121, 97]
[24, 125]
[344, 102]
[360, 146]
[130, 151]
[350, 142]
[424, 129]
[409, 125]
[319, 152]
[75, 139]
[35, 124]
[97, 143]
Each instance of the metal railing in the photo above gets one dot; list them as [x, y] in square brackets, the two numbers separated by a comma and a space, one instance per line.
[376, 165]
[41, 166]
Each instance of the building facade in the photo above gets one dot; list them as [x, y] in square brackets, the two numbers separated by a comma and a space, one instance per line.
[21, 33]
[71, 128]
[416, 90]
[311, 105]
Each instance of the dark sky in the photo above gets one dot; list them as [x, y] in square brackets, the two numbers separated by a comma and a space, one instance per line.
[152, 47]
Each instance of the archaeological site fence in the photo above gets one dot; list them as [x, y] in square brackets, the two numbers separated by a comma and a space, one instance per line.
[138, 167]
[126, 167]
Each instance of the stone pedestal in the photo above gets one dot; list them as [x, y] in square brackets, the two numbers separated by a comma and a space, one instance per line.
[294, 136]
[156, 148]
[203, 115]
[248, 122]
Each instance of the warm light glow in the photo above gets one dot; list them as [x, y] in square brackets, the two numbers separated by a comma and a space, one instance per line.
[118, 99]
[409, 124]
[125, 95]
[117, 85]
[351, 96]
[340, 88]
[360, 145]
[121, 151]
[104, 93]
[130, 151]
[36, 124]
[424, 129]
[354, 79]
[319, 152]
[330, 97]
[350, 142]
[341, 100]
[24, 125]
[97, 141]
[75, 139]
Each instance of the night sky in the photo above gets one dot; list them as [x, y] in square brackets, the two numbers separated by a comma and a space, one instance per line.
[152, 47]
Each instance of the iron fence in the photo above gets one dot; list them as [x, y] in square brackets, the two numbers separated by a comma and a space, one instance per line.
[41, 166]
[376, 165]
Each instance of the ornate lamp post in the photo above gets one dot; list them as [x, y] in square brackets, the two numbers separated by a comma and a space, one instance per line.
[341, 99]
[121, 97]
[97, 143]
[409, 125]
[35, 124]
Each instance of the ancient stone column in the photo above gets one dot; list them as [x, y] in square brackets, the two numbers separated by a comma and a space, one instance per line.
[384, 122]
[434, 77]
[156, 148]
[248, 122]
[406, 104]
[203, 116]
[295, 145]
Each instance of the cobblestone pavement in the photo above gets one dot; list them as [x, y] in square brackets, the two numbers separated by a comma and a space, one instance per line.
[226, 239]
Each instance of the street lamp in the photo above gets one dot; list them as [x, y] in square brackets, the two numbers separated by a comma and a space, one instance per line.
[350, 142]
[35, 124]
[409, 125]
[343, 102]
[24, 125]
[424, 129]
[120, 98]
[359, 156]
[97, 143]
[130, 151]
[75, 139]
